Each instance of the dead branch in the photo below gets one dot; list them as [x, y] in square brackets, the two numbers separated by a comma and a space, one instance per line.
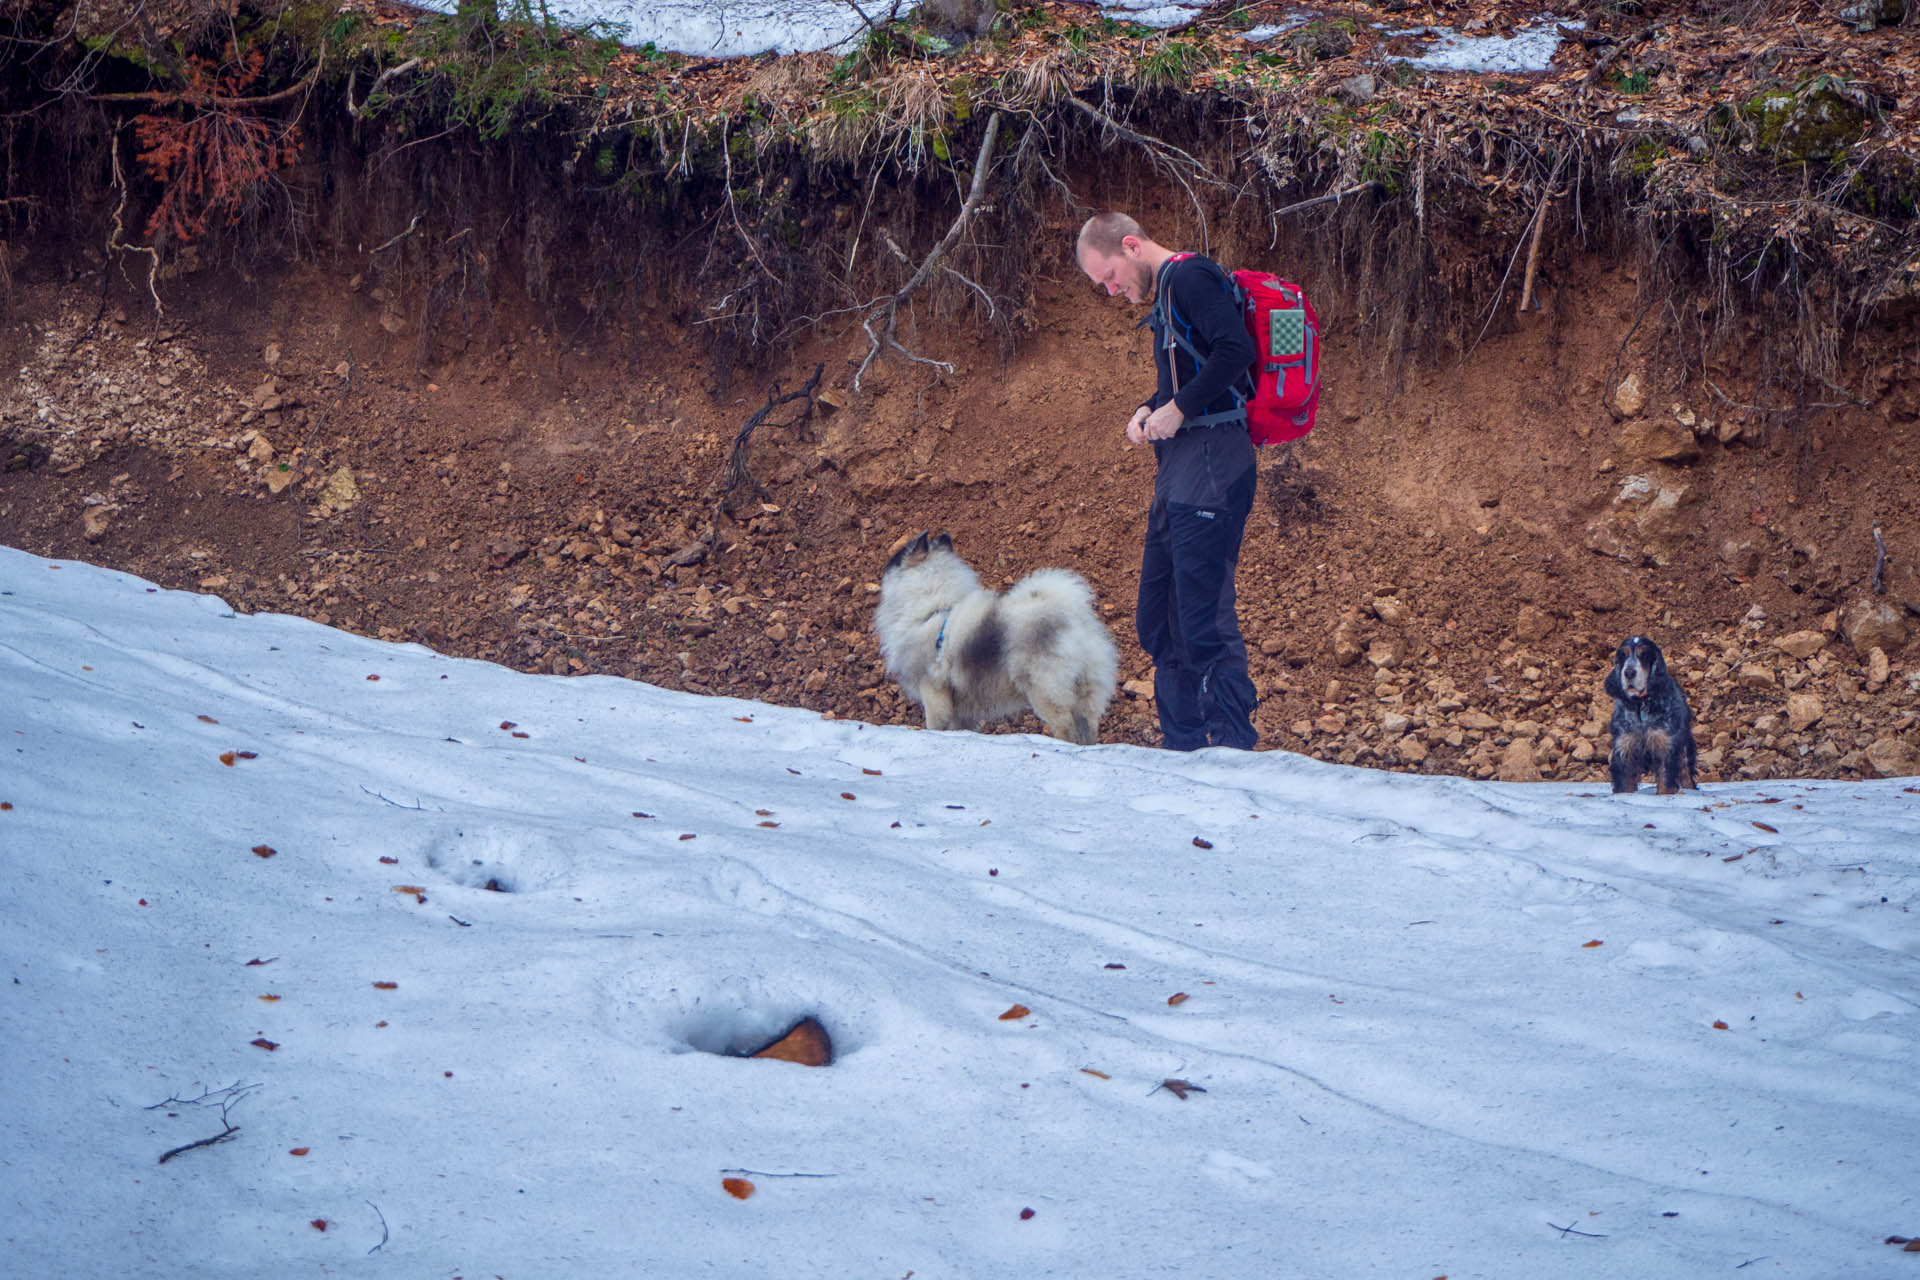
[196, 98]
[890, 308]
[1533, 252]
[388, 74]
[228, 1098]
[737, 473]
[411, 227]
[1334, 197]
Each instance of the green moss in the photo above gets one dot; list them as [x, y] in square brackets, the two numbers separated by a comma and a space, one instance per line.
[1814, 122]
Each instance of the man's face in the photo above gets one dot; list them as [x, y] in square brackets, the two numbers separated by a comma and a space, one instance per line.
[1118, 273]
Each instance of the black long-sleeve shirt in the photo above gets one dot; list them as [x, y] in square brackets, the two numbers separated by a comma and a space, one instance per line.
[1199, 464]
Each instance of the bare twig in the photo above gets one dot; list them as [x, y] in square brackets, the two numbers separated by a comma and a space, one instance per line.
[1569, 1231]
[758, 1173]
[228, 1098]
[411, 228]
[385, 1235]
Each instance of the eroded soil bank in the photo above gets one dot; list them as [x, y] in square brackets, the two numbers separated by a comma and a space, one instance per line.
[1433, 581]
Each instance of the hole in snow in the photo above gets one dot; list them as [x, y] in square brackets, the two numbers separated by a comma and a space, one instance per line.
[749, 1033]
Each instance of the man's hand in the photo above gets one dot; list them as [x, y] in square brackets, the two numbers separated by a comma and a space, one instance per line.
[1136, 426]
[1163, 422]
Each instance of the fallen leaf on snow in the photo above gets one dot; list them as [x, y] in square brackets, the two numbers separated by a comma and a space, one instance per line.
[297, 1151]
[1178, 997]
[1595, 943]
[264, 850]
[1764, 827]
[227, 758]
[738, 1188]
[1018, 1011]
[392, 862]
[386, 986]
[206, 720]
[1025, 1214]
[1719, 1025]
[318, 1224]
[256, 960]
[1180, 1088]
[1198, 843]
[1089, 1071]
[263, 1043]
[269, 998]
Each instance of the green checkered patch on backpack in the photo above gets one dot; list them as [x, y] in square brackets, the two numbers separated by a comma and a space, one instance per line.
[1286, 333]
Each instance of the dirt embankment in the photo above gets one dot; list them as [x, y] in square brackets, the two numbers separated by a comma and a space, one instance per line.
[1434, 580]
[473, 364]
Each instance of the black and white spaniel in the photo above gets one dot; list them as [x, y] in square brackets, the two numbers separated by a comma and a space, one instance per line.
[1652, 726]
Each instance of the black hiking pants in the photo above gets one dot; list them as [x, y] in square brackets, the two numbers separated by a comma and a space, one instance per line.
[1187, 624]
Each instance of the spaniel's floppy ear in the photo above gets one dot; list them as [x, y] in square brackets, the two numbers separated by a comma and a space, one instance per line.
[1656, 663]
[1613, 687]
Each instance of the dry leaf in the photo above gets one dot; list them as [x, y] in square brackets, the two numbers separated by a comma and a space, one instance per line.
[257, 960]
[744, 719]
[269, 998]
[1116, 966]
[1025, 1214]
[413, 889]
[263, 1043]
[1178, 997]
[318, 1224]
[264, 850]
[769, 824]
[298, 1151]
[386, 986]
[247, 755]
[1018, 1011]
[518, 734]
[847, 795]
[227, 758]
[1198, 843]
[638, 814]
[1089, 1071]
[1719, 1025]
[1764, 827]
[1180, 1088]
[6, 806]
[738, 1188]
[687, 836]
[508, 724]
[373, 677]
[805, 1042]
[392, 862]
[871, 773]
[1595, 943]
[206, 720]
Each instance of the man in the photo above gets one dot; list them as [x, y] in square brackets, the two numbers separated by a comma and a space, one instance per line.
[1203, 487]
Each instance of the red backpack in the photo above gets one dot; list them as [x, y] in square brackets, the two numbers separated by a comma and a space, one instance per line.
[1286, 365]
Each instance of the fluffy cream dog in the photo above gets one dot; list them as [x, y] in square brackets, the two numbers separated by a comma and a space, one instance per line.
[968, 655]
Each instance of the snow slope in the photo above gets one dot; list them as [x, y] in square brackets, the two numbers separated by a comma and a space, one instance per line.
[1442, 1027]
